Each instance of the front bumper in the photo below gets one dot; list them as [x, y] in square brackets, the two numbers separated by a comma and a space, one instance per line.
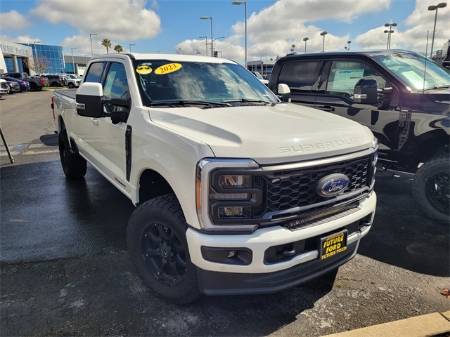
[285, 273]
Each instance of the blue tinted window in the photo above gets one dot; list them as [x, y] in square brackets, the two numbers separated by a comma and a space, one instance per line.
[116, 85]
[94, 74]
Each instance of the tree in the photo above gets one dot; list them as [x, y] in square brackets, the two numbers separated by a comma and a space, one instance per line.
[40, 65]
[118, 48]
[107, 44]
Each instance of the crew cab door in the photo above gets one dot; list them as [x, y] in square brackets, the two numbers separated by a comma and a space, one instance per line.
[111, 129]
[340, 93]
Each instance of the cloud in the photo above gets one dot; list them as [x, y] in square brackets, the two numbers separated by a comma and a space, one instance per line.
[273, 30]
[82, 45]
[114, 19]
[13, 20]
[414, 36]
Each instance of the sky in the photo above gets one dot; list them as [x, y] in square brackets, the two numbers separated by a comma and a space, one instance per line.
[175, 25]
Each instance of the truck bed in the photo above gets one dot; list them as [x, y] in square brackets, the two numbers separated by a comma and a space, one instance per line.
[71, 93]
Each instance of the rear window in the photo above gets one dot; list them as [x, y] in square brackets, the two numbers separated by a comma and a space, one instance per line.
[301, 75]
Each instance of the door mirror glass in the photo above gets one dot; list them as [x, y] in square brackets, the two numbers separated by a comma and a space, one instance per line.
[366, 92]
[89, 100]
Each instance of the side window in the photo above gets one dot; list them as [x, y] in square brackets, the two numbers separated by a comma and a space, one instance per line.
[94, 73]
[300, 75]
[345, 74]
[116, 85]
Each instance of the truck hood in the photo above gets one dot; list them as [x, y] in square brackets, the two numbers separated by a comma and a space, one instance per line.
[267, 134]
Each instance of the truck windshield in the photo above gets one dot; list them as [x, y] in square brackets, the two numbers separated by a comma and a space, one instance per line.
[188, 83]
[418, 72]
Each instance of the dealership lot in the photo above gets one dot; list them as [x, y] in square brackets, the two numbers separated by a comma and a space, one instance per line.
[65, 267]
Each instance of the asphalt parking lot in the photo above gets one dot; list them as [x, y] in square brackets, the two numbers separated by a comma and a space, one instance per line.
[65, 269]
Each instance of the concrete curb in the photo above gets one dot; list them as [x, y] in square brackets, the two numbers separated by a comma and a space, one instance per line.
[419, 326]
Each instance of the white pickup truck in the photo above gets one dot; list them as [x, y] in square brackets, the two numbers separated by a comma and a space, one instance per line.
[236, 192]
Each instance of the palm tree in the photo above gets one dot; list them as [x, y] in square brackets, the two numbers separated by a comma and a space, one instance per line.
[118, 48]
[107, 44]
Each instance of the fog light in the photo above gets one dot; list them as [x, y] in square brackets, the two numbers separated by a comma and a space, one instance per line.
[234, 212]
[231, 255]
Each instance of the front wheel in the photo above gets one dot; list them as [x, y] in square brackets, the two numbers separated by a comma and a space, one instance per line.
[156, 240]
[431, 188]
[74, 166]
[71, 85]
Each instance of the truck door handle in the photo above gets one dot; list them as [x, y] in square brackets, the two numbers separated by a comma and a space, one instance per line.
[95, 121]
[328, 108]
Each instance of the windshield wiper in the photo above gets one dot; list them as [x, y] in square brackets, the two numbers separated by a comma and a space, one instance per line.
[187, 102]
[245, 100]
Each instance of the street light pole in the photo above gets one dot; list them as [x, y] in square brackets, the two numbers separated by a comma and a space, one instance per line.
[244, 2]
[90, 38]
[435, 8]
[389, 32]
[304, 40]
[323, 41]
[210, 18]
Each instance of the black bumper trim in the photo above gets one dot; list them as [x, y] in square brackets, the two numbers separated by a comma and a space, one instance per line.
[219, 283]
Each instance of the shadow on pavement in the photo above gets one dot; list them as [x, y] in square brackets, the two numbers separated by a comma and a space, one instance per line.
[50, 139]
[402, 235]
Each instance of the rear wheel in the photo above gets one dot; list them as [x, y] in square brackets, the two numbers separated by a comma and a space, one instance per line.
[156, 239]
[431, 188]
[74, 166]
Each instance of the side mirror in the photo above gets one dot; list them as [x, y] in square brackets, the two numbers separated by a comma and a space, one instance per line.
[284, 92]
[366, 92]
[89, 100]
[117, 109]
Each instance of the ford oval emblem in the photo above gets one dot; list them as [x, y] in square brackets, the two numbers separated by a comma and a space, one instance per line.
[332, 185]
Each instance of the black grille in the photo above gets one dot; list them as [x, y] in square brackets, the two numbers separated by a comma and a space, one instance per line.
[296, 188]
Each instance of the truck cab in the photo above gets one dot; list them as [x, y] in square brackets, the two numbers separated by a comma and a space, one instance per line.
[401, 96]
[235, 191]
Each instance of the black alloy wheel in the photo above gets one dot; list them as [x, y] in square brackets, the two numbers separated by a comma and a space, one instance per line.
[437, 190]
[164, 254]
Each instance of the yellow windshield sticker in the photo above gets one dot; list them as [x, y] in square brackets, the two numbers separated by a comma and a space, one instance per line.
[168, 68]
[144, 69]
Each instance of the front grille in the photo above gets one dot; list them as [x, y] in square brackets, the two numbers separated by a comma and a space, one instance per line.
[298, 187]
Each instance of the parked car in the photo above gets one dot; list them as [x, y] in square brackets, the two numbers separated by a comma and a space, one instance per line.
[37, 82]
[4, 87]
[13, 87]
[236, 192]
[55, 80]
[23, 84]
[401, 96]
[73, 81]
[17, 75]
[260, 77]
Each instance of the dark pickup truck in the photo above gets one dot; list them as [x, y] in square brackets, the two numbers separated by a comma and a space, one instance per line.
[403, 97]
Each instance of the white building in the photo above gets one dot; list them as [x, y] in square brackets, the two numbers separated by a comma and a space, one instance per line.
[15, 57]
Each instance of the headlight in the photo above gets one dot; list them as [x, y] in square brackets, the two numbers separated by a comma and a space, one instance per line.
[227, 194]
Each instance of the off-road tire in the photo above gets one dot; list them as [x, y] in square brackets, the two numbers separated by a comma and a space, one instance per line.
[162, 211]
[74, 166]
[437, 165]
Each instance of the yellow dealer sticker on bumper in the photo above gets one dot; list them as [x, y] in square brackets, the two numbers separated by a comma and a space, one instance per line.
[333, 244]
[144, 69]
[168, 68]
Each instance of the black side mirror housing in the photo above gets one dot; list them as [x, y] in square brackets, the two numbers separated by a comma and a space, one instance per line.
[366, 92]
[117, 109]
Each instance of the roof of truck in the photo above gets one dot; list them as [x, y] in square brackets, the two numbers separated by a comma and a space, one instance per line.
[367, 53]
[170, 57]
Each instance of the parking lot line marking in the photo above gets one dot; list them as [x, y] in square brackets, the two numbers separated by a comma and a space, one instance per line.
[418, 326]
